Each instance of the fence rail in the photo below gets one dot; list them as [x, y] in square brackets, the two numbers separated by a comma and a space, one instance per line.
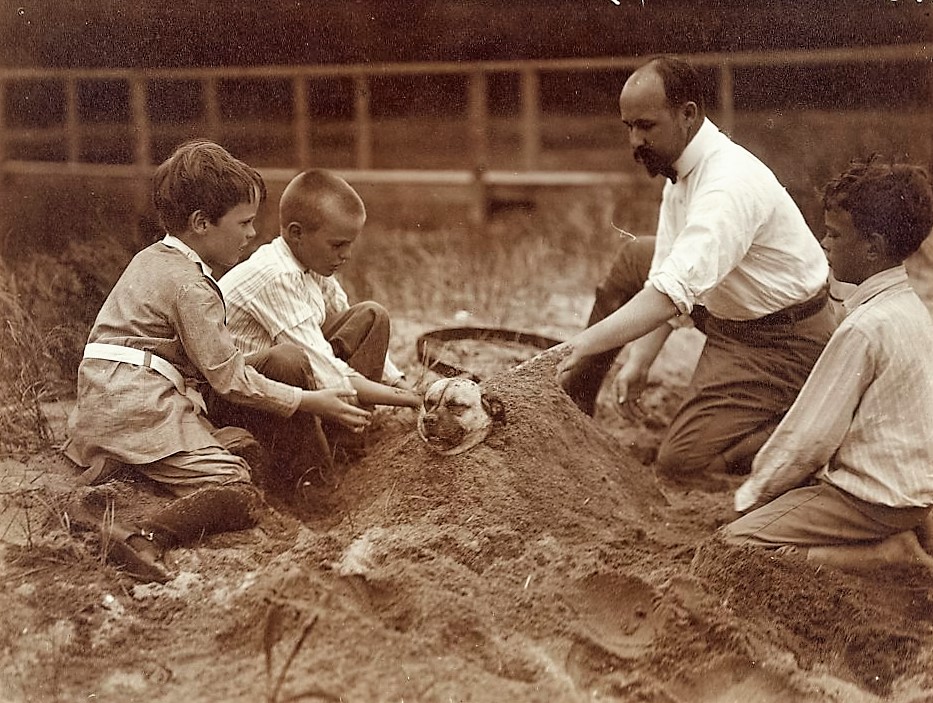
[140, 130]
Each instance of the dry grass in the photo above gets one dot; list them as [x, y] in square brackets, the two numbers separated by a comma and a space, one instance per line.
[25, 372]
[48, 297]
[504, 275]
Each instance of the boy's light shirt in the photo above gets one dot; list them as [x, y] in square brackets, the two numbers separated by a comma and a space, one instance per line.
[864, 418]
[170, 240]
[272, 298]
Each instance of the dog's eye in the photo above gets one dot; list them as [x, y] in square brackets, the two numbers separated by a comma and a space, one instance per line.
[457, 408]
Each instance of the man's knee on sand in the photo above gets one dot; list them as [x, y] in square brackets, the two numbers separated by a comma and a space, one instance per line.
[739, 532]
[676, 460]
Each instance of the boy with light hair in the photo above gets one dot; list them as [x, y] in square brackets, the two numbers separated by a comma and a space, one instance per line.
[287, 292]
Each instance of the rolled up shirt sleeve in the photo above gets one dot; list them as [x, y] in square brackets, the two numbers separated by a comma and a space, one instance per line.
[730, 237]
[717, 235]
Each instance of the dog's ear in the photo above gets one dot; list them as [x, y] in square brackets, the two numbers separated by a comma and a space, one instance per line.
[494, 407]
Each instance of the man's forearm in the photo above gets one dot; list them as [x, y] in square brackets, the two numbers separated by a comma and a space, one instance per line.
[644, 350]
[644, 313]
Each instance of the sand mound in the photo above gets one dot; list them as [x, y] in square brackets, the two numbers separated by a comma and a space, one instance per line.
[547, 564]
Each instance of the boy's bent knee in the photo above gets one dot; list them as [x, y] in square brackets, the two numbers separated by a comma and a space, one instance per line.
[286, 363]
[379, 315]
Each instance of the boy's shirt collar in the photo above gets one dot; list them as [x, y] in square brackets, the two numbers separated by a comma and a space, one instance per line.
[286, 251]
[872, 286]
[174, 242]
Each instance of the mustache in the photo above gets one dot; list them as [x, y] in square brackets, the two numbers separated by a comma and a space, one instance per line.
[645, 154]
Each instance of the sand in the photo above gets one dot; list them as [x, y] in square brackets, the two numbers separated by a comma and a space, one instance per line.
[547, 564]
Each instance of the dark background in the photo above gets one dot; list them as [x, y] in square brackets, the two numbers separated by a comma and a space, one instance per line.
[171, 33]
[148, 33]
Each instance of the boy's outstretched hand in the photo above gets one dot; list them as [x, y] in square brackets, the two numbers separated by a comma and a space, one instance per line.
[336, 404]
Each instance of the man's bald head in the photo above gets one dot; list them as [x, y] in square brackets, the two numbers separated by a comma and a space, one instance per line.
[662, 105]
[679, 81]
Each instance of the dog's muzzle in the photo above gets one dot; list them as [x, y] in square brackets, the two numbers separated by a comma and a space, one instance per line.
[456, 415]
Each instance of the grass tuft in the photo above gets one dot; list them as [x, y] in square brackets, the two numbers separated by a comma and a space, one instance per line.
[26, 373]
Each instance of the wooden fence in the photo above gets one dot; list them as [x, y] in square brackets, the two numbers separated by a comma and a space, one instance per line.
[70, 131]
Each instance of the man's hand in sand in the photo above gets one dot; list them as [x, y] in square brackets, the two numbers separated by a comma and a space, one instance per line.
[629, 384]
[336, 404]
[571, 357]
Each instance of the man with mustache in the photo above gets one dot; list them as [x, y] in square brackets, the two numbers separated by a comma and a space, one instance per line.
[732, 256]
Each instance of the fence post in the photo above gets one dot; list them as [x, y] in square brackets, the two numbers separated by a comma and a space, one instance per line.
[531, 123]
[143, 156]
[726, 98]
[72, 123]
[3, 85]
[211, 108]
[301, 124]
[478, 123]
[364, 125]
[929, 132]
[478, 120]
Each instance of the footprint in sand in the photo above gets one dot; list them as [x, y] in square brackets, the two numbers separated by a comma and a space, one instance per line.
[616, 614]
[737, 679]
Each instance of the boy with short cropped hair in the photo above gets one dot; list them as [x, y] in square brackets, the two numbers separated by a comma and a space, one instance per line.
[286, 291]
[159, 336]
[862, 426]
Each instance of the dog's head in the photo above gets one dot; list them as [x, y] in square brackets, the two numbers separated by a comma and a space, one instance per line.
[457, 414]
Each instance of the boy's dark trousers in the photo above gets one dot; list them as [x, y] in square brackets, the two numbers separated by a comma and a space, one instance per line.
[297, 444]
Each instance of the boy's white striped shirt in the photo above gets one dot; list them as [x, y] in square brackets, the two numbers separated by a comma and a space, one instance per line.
[864, 418]
[271, 299]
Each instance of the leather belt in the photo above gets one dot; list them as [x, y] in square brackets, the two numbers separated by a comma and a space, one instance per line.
[140, 357]
[795, 313]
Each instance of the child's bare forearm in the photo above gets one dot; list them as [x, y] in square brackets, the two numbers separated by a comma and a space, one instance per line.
[372, 393]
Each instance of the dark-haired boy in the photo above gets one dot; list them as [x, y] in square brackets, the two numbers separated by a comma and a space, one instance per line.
[862, 426]
[160, 335]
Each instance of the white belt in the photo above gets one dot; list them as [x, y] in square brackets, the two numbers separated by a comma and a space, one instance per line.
[139, 357]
